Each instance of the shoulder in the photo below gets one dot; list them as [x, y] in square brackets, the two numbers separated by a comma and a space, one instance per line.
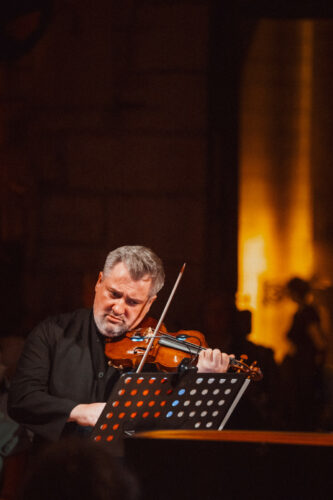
[64, 320]
[59, 325]
[256, 352]
[311, 313]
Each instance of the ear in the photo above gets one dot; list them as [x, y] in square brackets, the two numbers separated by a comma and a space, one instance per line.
[98, 282]
[147, 307]
[150, 301]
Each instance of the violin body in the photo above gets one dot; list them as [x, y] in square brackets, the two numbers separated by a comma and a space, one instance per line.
[167, 352]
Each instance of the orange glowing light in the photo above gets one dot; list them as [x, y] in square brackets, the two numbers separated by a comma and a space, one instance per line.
[275, 211]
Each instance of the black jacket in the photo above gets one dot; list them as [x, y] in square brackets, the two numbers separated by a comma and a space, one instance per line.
[62, 365]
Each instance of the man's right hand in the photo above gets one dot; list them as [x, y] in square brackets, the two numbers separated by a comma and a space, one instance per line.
[86, 414]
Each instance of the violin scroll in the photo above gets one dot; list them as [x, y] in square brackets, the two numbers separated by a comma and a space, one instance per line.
[253, 371]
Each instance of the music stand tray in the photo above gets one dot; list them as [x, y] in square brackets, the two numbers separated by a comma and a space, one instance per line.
[154, 401]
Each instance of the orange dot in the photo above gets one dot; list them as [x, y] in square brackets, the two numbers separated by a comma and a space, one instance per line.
[145, 414]
[103, 427]
[139, 403]
[151, 403]
[121, 415]
[128, 403]
[121, 392]
[115, 403]
[115, 427]
[133, 415]
[140, 380]
[128, 380]
[169, 391]
[97, 438]
[109, 415]
[145, 392]
[109, 438]
[134, 392]
[157, 414]
[152, 380]
[163, 403]
[163, 380]
[157, 392]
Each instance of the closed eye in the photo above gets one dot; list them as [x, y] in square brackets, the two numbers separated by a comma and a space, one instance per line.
[114, 294]
[132, 302]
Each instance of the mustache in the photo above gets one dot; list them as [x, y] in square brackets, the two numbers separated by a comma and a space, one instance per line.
[117, 315]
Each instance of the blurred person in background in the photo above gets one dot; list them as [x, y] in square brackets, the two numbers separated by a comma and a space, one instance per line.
[302, 369]
[230, 328]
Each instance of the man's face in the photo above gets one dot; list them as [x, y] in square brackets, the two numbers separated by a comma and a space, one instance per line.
[120, 302]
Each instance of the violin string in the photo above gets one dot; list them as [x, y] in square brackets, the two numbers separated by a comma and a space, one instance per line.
[233, 361]
[176, 340]
[186, 347]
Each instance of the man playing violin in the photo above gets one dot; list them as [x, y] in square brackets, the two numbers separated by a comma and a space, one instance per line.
[63, 378]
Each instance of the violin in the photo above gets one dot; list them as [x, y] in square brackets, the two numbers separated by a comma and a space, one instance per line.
[168, 350]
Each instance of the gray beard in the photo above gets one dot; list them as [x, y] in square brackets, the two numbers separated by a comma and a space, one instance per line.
[110, 330]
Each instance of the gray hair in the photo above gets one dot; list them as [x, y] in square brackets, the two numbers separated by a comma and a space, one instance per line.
[139, 261]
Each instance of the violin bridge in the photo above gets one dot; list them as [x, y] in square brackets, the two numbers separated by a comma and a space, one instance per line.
[148, 334]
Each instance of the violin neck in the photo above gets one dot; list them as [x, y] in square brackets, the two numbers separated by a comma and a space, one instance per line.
[189, 348]
[166, 340]
[181, 345]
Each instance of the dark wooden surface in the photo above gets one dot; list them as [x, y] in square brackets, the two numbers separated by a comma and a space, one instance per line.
[232, 465]
[301, 438]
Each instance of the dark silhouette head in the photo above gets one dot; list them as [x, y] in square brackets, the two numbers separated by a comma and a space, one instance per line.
[78, 469]
[298, 289]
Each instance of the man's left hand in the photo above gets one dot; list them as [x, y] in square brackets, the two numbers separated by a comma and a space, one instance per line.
[213, 361]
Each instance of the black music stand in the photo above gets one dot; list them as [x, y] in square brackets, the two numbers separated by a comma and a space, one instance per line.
[154, 401]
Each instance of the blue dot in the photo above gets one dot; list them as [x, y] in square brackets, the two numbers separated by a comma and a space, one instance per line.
[137, 338]
[169, 414]
[182, 337]
[181, 392]
[175, 402]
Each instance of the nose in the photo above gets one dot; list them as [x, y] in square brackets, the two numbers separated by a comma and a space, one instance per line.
[118, 307]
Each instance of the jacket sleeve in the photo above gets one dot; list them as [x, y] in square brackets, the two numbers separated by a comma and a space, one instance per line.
[30, 402]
